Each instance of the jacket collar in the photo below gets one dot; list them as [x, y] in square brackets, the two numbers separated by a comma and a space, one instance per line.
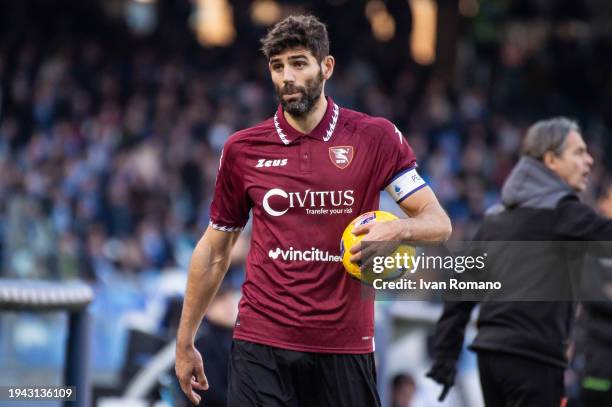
[532, 185]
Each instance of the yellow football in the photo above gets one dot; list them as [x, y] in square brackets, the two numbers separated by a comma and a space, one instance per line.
[349, 240]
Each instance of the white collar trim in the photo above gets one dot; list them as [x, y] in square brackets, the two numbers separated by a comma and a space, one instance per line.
[328, 135]
[280, 131]
[332, 123]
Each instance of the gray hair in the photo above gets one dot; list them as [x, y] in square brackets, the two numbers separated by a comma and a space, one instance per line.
[548, 135]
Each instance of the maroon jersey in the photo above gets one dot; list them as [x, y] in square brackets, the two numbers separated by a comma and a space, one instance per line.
[303, 190]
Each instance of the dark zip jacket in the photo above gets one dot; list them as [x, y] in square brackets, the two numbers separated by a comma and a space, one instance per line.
[536, 206]
[597, 315]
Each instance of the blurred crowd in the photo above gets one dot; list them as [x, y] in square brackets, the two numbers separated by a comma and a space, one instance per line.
[107, 167]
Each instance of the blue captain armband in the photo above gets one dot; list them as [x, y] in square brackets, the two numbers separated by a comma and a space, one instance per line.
[405, 184]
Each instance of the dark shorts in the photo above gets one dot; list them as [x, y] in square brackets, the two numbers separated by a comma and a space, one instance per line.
[516, 381]
[261, 375]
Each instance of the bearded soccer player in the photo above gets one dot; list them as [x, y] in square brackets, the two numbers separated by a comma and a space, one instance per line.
[304, 335]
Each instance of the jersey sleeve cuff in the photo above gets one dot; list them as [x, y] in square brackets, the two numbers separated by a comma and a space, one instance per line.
[404, 184]
[224, 228]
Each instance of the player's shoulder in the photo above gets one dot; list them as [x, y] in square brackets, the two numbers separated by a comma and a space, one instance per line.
[376, 127]
[245, 137]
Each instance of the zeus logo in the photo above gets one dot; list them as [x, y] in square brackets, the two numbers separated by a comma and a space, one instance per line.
[271, 163]
[307, 199]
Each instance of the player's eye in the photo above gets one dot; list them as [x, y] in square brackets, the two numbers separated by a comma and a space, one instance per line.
[277, 67]
[299, 64]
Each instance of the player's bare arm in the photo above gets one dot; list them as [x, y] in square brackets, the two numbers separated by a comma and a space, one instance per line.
[427, 222]
[209, 263]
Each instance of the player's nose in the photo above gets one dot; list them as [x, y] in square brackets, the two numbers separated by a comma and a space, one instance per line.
[288, 76]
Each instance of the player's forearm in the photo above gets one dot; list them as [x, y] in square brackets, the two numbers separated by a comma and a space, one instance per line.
[206, 271]
[432, 224]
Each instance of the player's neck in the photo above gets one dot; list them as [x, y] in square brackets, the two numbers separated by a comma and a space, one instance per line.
[307, 123]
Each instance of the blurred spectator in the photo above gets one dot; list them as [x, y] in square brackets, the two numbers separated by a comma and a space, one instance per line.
[403, 389]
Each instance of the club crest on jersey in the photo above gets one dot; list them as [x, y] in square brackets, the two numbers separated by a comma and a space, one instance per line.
[341, 156]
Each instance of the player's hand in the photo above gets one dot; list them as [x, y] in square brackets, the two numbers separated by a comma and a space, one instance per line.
[189, 369]
[377, 232]
[444, 372]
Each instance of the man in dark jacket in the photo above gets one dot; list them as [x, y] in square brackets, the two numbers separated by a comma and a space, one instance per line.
[522, 346]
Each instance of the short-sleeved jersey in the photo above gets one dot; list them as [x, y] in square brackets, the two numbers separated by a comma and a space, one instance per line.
[303, 190]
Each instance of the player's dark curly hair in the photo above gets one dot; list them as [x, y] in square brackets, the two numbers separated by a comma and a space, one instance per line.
[297, 31]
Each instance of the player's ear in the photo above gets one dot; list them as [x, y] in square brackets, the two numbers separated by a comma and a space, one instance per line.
[327, 66]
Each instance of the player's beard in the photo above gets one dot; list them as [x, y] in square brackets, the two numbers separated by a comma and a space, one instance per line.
[310, 94]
